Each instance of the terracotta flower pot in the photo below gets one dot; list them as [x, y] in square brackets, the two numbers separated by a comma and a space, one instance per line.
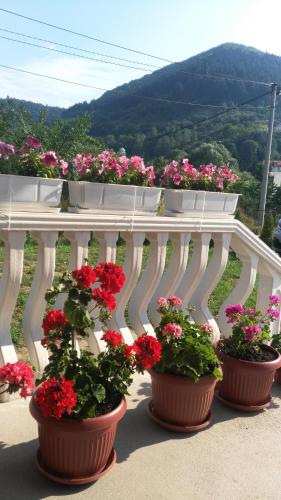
[180, 404]
[277, 376]
[76, 451]
[246, 385]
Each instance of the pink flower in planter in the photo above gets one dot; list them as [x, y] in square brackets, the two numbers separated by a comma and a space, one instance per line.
[234, 309]
[273, 312]
[174, 301]
[172, 329]
[64, 167]
[6, 150]
[251, 331]
[274, 299]
[33, 142]
[207, 328]
[49, 158]
[124, 162]
[151, 175]
[177, 179]
[162, 302]
[82, 162]
[219, 183]
[138, 164]
[250, 311]
[19, 376]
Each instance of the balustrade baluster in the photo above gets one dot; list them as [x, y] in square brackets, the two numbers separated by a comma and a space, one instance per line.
[36, 304]
[214, 271]
[9, 290]
[172, 275]
[245, 283]
[196, 268]
[148, 283]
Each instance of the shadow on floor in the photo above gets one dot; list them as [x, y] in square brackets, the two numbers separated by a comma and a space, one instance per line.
[19, 478]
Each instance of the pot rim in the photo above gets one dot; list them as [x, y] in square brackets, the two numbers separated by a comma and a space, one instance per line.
[119, 185]
[200, 191]
[183, 380]
[52, 179]
[72, 424]
[244, 362]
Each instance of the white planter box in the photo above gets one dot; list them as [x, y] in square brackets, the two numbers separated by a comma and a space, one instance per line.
[95, 197]
[29, 194]
[188, 203]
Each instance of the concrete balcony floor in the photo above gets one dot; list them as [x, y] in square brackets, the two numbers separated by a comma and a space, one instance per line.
[237, 457]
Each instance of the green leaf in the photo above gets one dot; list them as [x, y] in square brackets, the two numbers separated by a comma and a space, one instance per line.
[99, 392]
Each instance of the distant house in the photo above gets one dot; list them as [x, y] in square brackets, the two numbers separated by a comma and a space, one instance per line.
[275, 172]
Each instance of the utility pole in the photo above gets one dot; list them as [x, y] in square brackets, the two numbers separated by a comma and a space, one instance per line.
[263, 193]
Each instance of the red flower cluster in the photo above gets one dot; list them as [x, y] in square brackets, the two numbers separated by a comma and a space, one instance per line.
[148, 351]
[113, 339]
[104, 298]
[19, 376]
[111, 276]
[56, 397]
[85, 276]
[53, 320]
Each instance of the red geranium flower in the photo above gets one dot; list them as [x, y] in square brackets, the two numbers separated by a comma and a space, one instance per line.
[111, 276]
[148, 351]
[85, 276]
[56, 397]
[113, 339]
[53, 320]
[104, 298]
[128, 350]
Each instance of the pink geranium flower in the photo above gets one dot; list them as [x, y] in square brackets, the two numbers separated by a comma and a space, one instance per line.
[274, 299]
[33, 142]
[174, 300]
[172, 329]
[64, 167]
[49, 158]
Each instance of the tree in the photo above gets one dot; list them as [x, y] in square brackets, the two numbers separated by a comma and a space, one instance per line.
[267, 230]
[211, 152]
[248, 156]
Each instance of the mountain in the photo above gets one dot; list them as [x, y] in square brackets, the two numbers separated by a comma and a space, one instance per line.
[54, 112]
[118, 112]
[129, 116]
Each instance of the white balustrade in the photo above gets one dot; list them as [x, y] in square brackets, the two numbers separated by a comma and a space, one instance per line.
[193, 280]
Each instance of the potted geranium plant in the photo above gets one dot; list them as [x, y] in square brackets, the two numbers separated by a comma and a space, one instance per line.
[248, 362]
[198, 191]
[112, 183]
[31, 179]
[184, 379]
[80, 398]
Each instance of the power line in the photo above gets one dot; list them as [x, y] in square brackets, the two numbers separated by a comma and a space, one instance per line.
[210, 117]
[83, 35]
[74, 55]
[79, 48]
[217, 76]
[108, 90]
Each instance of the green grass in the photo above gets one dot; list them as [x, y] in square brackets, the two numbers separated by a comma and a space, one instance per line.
[221, 292]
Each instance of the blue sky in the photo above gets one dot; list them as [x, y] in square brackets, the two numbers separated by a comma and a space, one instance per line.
[174, 30]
